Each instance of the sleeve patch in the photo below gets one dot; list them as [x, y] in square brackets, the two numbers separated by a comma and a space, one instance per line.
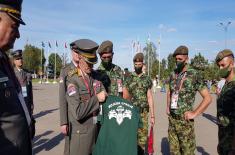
[71, 90]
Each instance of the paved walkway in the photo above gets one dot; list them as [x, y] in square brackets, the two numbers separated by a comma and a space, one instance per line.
[49, 140]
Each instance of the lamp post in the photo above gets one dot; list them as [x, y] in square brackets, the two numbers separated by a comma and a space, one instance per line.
[159, 50]
[225, 27]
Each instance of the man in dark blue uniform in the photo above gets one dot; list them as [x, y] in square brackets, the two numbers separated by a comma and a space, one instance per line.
[14, 116]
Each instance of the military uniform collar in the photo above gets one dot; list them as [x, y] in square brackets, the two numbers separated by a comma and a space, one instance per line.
[134, 73]
[101, 67]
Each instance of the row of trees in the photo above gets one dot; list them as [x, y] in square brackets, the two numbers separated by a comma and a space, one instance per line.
[32, 61]
[208, 69]
[35, 60]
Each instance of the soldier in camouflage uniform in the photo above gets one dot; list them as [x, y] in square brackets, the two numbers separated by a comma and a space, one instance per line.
[137, 89]
[183, 85]
[226, 104]
[111, 75]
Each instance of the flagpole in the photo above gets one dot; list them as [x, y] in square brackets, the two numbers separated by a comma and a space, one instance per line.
[41, 67]
[55, 66]
[159, 49]
[47, 64]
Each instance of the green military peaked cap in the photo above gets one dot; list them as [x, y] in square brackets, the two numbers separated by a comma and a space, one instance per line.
[139, 57]
[16, 54]
[106, 47]
[223, 54]
[87, 48]
[181, 50]
[13, 9]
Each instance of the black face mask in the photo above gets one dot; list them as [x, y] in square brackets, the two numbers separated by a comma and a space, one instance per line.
[107, 63]
[179, 66]
[138, 70]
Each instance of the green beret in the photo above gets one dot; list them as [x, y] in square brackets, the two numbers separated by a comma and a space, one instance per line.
[16, 54]
[223, 54]
[181, 50]
[106, 47]
[13, 9]
[139, 57]
[86, 48]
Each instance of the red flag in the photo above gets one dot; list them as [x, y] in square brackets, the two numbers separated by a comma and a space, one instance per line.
[150, 141]
[65, 46]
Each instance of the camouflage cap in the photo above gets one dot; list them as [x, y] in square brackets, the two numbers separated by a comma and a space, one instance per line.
[223, 54]
[106, 47]
[86, 48]
[181, 50]
[13, 9]
[139, 57]
[16, 54]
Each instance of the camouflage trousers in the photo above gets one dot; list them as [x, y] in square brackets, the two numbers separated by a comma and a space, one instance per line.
[143, 132]
[181, 136]
[225, 135]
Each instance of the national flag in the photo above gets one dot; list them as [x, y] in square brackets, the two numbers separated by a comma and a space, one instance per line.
[56, 44]
[49, 44]
[43, 45]
[65, 46]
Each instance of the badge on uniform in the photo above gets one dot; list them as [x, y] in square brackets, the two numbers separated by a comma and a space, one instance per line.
[119, 83]
[24, 91]
[174, 100]
[71, 90]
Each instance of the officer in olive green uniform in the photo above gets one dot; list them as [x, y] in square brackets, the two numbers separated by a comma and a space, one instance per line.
[111, 75]
[183, 85]
[137, 88]
[25, 80]
[82, 96]
[226, 104]
[14, 116]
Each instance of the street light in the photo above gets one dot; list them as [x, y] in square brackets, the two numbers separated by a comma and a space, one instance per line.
[225, 27]
[159, 50]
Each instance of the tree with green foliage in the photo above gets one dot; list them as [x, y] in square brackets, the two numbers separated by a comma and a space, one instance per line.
[58, 63]
[32, 58]
[150, 56]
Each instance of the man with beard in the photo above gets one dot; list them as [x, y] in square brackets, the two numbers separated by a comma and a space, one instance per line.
[226, 104]
[111, 75]
[137, 89]
[80, 94]
[183, 84]
[14, 116]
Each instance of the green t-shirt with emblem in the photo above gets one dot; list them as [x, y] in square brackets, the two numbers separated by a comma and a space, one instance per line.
[138, 87]
[192, 81]
[119, 126]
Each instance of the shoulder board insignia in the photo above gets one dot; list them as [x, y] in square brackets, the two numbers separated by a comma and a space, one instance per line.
[74, 71]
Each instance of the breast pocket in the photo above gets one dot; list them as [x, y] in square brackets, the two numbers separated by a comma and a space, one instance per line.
[8, 97]
[84, 95]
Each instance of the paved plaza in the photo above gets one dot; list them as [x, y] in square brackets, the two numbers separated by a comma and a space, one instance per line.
[49, 140]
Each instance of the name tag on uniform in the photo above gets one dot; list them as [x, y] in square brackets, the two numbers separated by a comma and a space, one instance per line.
[24, 91]
[4, 79]
[174, 100]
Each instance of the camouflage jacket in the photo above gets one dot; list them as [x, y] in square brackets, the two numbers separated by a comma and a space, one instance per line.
[112, 79]
[138, 88]
[191, 82]
[226, 105]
